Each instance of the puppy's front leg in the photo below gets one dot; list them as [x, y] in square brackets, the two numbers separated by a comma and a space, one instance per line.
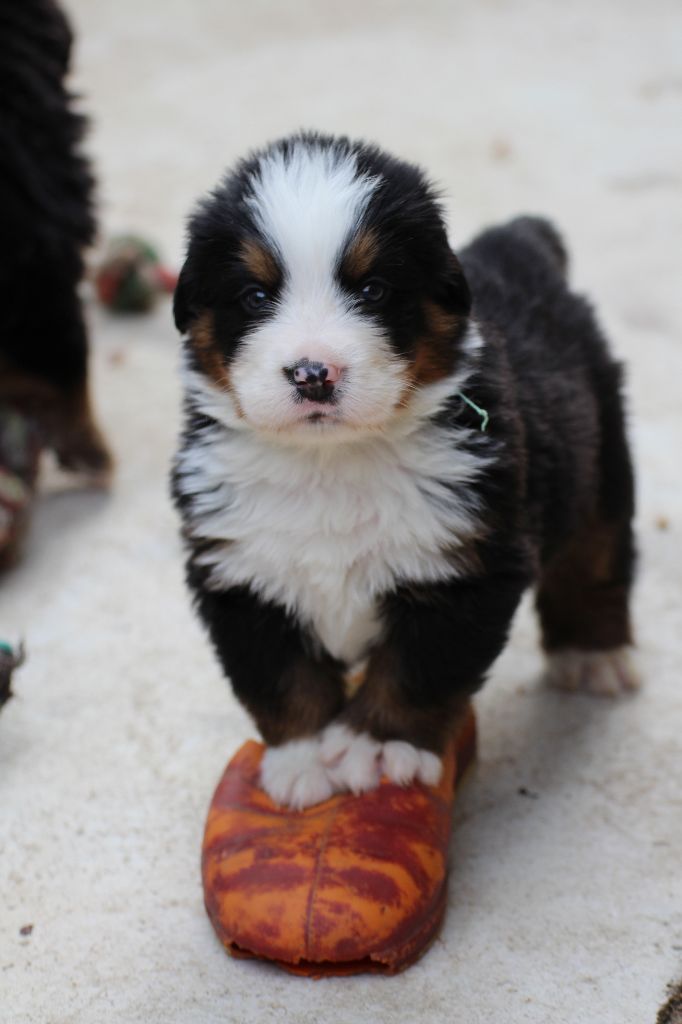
[438, 643]
[311, 693]
[291, 693]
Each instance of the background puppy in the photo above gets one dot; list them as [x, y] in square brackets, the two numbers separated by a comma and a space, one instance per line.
[384, 446]
[47, 220]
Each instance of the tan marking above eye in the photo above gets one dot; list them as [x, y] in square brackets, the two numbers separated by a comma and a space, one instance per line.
[360, 254]
[260, 263]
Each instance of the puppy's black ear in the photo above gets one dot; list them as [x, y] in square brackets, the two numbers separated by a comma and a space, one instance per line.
[454, 291]
[183, 308]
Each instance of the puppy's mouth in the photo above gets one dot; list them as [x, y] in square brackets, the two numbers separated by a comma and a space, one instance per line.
[315, 413]
[316, 417]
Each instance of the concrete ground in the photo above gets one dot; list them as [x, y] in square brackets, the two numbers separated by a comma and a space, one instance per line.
[566, 889]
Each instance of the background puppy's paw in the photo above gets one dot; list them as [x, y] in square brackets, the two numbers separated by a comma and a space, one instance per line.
[292, 775]
[351, 759]
[603, 673]
[402, 763]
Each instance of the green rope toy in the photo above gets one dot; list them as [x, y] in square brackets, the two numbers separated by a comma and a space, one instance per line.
[483, 413]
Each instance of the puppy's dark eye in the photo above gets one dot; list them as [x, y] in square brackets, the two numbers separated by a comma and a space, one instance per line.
[255, 299]
[373, 293]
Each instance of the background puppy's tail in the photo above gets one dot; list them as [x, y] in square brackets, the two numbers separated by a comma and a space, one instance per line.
[545, 238]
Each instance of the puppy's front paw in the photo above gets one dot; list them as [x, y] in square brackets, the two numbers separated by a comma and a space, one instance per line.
[292, 775]
[603, 673]
[356, 761]
[402, 763]
[350, 759]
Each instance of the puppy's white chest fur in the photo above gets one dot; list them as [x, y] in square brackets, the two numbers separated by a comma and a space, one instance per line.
[326, 530]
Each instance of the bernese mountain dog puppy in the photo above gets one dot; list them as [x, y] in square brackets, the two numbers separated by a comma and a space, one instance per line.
[384, 445]
[46, 208]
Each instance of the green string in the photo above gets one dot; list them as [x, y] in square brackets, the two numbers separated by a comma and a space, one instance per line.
[485, 418]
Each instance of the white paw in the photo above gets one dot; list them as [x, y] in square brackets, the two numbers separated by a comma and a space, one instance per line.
[604, 673]
[402, 763]
[356, 762]
[293, 776]
[351, 759]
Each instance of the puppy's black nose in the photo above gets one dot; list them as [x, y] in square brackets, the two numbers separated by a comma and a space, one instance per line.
[312, 380]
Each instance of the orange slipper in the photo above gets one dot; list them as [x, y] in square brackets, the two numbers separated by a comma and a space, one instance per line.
[357, 883]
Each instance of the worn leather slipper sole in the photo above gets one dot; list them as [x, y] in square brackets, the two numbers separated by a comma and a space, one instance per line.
[357, 883]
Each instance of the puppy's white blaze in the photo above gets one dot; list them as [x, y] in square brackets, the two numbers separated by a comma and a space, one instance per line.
[307, 203]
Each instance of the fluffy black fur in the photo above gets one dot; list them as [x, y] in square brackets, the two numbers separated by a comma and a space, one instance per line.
[46, 210]
[556, 503]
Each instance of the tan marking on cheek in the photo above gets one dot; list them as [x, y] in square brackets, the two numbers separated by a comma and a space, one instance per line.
[441, 324]
[361, 254]
[259, 262]
[431, 363]
[434, 355]
[210, 358]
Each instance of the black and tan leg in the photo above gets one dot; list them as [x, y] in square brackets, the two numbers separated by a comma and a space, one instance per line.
[583, 601]
[291, 692]
[439, 641]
